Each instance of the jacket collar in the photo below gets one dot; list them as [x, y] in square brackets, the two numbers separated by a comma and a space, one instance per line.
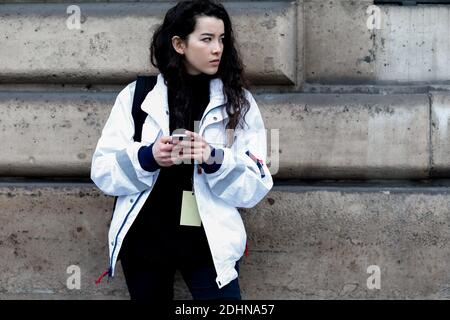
[156, 105]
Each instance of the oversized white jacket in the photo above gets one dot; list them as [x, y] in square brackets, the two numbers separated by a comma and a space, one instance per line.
[241, 180]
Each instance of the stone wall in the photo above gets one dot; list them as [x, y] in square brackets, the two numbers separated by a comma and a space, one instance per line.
[360, 166]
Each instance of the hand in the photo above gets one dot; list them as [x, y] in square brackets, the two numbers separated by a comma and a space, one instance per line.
[162, 151]
[194, 147]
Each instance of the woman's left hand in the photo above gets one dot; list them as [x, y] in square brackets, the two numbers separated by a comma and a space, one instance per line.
[195, 147]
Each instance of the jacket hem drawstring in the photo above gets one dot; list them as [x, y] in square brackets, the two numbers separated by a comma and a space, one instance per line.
[107, 272]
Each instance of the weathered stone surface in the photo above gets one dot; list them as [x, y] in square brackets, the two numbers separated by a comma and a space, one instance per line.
[50, 134]
[320, 136]
[409, 45]
[318, 242]
[440, 134]
[354, 136]
[305, 242]
[44, 230]
[41, 44]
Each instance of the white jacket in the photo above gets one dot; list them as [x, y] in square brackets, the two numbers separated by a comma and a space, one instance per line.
[240, 182]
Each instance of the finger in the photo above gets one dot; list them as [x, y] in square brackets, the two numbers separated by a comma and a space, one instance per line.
[192, 144]
[193, 135]
[200, 156]
[165, 139]
[166, 155]
[166, 147]
[176, 155]
[183, 144]
[197, 137]
[181, 160]
[197, 157]
[196, 150]
[176, 160]
[185, 156]
[178, 151]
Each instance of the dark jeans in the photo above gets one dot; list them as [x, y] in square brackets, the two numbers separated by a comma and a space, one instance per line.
[150, 282]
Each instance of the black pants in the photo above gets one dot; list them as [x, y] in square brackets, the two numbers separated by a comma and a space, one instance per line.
[150, 282]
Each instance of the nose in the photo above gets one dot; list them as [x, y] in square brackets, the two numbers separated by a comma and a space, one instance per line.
[217, 48]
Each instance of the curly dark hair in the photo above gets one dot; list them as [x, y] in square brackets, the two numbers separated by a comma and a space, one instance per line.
[180, 21]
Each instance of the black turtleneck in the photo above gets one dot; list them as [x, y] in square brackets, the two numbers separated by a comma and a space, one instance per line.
[197, 87]
[156, 234]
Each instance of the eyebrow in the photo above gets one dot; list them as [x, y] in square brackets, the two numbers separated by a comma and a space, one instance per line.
[210, 34]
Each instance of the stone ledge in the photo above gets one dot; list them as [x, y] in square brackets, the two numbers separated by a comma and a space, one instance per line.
[410, 46]
[440, 115]
[321, 136]
[112, 45]
[314, 244]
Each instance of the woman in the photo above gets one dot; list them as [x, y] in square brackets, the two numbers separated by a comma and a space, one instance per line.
[177, 200]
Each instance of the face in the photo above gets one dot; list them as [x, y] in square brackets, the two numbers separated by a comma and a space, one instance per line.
[202, 46]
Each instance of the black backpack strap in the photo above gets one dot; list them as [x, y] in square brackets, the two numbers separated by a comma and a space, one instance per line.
[144, 84]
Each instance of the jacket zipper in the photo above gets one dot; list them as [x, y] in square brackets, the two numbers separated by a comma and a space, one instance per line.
[117, 235]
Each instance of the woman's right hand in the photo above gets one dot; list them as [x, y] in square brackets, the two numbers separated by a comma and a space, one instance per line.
[162, 151]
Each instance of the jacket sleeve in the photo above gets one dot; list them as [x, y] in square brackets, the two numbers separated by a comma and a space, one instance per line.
[115, 167]
[243, 178]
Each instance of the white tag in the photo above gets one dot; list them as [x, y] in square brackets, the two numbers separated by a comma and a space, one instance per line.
[189, 210]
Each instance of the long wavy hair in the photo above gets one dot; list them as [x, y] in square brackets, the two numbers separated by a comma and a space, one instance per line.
[180, 21]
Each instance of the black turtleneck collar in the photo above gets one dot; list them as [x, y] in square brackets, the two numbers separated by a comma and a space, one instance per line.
[197, 89]
[197, 78]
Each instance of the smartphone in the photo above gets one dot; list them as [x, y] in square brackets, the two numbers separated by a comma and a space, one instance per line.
[179, 136]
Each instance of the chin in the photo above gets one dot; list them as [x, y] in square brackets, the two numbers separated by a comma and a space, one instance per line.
[211, 72]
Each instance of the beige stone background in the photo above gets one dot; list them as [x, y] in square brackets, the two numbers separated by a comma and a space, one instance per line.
[360, 169]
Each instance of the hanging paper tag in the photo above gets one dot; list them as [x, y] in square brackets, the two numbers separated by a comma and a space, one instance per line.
[189, 210]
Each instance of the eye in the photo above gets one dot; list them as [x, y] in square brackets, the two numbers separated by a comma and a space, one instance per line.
[206, 39]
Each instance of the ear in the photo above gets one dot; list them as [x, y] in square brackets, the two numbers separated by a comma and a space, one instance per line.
[178, 44]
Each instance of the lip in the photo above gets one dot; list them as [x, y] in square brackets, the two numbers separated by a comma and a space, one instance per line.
[215, 62]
